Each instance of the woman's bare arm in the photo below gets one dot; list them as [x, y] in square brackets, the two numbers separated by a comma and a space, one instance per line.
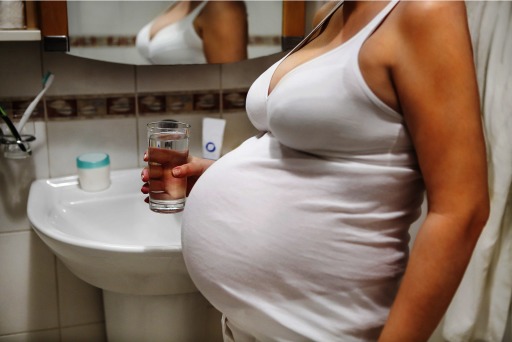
[435, 81]
[224, 31]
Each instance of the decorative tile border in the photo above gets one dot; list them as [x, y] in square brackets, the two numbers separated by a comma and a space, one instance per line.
[101, 41]
[179, 103]
[151, 104]
[15, 107]
[61, 107]
[206, 102]
[94, 106]
[104, 41]
[121, 105]
[91, 106]
[264, 40]
[234, 100]
[125, 105]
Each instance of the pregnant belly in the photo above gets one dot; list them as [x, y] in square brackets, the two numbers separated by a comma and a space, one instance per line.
[264, 215]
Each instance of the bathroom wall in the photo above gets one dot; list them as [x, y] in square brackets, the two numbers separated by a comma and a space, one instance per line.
[40, 300]
[91, 106]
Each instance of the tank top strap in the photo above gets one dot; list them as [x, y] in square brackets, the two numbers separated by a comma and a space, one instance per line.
[319, 26]
[376, 21]
[195, 12]
[363, 34]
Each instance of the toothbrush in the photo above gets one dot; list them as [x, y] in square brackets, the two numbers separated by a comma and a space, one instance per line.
[13, 130]
[47, 82]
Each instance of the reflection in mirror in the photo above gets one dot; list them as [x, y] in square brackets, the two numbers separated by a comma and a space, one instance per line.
[313, 14]
[108, 30]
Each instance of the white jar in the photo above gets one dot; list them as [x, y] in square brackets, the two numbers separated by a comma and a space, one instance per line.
[93, 171]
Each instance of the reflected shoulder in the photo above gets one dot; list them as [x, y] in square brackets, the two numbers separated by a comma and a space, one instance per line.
[226, 8]
[322, 12]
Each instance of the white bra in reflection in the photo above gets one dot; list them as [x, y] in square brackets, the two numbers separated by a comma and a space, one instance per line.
[177, 43]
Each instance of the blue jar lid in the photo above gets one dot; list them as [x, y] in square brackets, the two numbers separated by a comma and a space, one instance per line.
[92, 160]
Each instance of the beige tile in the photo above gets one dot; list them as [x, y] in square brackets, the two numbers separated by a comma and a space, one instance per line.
[214, 325]
[177, 78]
[238, 129]
[20, 67]
[39, 148]
[16, 176]
[79, 302]
[84, 333]
[15, 179]
[243, 74]
[36, 336]
[81, 76]
[68, 139]
[29, 291]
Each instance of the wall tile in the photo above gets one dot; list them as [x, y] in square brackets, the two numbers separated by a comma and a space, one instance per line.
[243, 74]
[177, 77]
[74, 76]
[84, 333]
[68, 139]
[28, 285]
[238, 129]
[15, 179]
[214, 325]
[75, 293]
[16, 176]
[36, 336]
[20, 67]
[39, 148]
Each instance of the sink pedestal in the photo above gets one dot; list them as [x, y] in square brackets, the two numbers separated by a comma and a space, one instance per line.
[178, 317]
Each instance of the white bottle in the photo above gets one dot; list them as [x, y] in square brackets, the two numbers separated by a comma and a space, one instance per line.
[93, 171]
[213, 135]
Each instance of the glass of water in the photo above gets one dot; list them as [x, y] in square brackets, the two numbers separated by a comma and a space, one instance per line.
[168, 142]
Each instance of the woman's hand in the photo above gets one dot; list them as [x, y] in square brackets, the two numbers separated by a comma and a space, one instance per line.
[192, 170]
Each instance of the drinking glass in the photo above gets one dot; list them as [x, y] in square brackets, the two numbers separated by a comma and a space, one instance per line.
[167, 148]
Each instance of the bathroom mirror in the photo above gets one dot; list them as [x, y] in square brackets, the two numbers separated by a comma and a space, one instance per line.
[107, 30]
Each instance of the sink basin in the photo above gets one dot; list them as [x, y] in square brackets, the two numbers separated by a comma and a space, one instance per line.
[110, 238]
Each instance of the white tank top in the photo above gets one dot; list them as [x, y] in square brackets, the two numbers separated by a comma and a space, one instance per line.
[177, 43]
[302, 234]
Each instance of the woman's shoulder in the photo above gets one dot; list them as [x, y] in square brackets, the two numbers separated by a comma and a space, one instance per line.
[225, 8]
[419, 25]
[419, 14]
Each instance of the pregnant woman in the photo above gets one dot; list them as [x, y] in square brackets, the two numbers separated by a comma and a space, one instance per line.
[301, 233]
[196, 32]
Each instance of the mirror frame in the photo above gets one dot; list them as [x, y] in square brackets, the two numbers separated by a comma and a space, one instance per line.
[53, 22]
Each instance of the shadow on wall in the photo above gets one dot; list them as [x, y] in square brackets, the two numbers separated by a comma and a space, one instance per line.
[21, 173]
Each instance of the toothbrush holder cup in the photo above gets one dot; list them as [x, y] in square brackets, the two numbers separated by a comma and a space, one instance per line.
[12, 148]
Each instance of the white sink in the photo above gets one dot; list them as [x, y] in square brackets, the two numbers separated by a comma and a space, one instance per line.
[110, 238]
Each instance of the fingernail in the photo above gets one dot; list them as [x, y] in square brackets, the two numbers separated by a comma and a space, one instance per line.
[176, 171]
[145, 155]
